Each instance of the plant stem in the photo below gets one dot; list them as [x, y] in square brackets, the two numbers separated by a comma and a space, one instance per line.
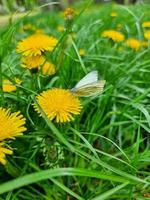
[1, 84]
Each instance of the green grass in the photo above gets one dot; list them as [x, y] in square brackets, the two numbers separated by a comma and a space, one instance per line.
[104, 153]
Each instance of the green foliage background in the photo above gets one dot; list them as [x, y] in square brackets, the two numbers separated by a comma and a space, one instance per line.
[104, 153]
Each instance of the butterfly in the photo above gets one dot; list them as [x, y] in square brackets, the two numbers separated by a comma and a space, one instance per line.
[89, 85]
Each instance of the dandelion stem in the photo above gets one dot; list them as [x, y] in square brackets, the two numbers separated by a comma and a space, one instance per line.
[1, 84]
[62, 53]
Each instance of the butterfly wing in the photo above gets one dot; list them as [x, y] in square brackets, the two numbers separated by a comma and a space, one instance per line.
[90, 89]
[88, 79]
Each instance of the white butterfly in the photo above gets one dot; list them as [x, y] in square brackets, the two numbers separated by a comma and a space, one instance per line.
[89, 85]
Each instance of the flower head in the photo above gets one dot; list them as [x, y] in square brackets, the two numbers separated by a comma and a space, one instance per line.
[147, 34]
[48, 68]
[32, 62]
[133, 44]
[8, 86]
[69, 13]
[58, 104]
[3, 152]
[114, 35]
[36, 44]
[146, 24]
[11, 124]
[40, 63]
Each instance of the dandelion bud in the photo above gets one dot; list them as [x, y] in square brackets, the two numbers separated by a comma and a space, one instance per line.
[69, 14]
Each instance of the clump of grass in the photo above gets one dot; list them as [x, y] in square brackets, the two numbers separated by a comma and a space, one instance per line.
[102, 154]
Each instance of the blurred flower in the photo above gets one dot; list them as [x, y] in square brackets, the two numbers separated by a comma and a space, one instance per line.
[147, 34]
[48, 68]
[32, 62]
[69, 13]
[114, 35]
[39, 63]
[8, 86]
[82, 52]
[36, 44]
[60, 28]
[11, 124]
[27, 27]
[58, 104]
[3, 152]
[146, 24]
[133, 44]
[114, 14]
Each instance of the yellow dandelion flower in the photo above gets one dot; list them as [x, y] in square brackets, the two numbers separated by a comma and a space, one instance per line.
[147, 34]
[11, 124]
[58, 104]
[114, 14]
[40, 63]
[36, 44]
[116, 36]
[8, 86]
[3, 152]
[32, 62]
[146, 24]
[48, 68]
[69, 13]
[82, 52]
[133, 44]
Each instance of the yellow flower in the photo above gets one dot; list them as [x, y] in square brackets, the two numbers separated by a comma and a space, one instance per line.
[11, 124]
[146, 24]
[82, 52]
[58, 104]
[36, 44]
[8, 86]
[133, 44]
[3, 152]
[114, 35]
[147, 34]
[40, 63]
[69, 13]
[48, 68]
[32, 62]
[113, 14]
